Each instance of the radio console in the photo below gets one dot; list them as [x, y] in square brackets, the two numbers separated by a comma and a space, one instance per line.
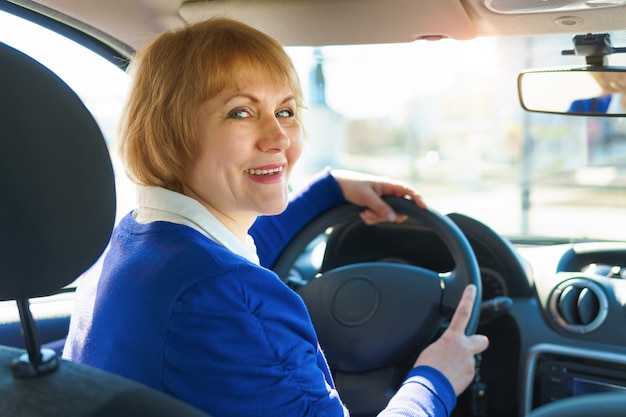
[558, 375]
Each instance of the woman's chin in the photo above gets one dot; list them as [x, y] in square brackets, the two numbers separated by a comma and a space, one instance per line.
[275, 208]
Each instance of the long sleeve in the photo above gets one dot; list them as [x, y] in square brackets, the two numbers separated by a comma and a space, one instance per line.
[178, 312]
[425, 392]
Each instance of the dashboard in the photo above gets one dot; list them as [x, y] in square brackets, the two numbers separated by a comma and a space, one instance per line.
[572, 330]
[565, 333]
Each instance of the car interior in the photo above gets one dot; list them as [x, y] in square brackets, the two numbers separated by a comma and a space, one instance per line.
[553, 306]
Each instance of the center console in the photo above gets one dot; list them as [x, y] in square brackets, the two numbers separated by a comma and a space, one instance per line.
[557, 372]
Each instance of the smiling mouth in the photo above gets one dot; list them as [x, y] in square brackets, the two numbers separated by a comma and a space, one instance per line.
[264, 172]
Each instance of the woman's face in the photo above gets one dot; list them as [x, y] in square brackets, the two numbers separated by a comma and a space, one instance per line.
[248, 141]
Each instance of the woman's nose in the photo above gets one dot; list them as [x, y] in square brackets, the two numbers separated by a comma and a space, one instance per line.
[273, 138]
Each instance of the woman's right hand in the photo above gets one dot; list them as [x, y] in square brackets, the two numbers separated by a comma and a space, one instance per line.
[453, 354]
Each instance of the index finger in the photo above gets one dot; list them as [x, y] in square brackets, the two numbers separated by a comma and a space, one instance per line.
[461, 316]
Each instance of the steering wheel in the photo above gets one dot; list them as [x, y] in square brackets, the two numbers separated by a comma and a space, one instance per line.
[373, 318]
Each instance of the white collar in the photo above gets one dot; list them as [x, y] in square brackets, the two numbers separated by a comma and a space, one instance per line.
[160, 204]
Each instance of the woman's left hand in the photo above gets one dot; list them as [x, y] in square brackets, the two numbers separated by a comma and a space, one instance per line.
[366, 190]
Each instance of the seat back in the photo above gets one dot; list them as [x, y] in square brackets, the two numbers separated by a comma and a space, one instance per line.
[56, 217]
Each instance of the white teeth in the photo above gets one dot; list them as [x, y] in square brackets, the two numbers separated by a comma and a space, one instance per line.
[264, 171]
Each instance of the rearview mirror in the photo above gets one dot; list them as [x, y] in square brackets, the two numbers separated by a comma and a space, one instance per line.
[591, 90]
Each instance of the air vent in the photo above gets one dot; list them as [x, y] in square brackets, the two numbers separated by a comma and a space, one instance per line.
[578, 305]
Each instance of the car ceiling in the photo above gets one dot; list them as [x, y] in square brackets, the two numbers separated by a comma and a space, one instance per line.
[128, 24]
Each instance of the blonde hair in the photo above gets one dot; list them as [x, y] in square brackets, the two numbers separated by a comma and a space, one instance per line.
[174, 75]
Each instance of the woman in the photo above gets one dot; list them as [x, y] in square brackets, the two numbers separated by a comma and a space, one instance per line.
[211, 134]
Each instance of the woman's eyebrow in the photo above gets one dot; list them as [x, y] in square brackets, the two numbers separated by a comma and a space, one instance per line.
[290, 97]
[237, 95]
[254, 98]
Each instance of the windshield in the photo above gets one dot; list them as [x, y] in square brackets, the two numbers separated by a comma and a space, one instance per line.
[443, 115]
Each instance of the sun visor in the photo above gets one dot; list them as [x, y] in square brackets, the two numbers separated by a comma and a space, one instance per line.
[340, 22]
[543, 6]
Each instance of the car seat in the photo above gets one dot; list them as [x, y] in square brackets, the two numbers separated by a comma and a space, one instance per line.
[56, 217]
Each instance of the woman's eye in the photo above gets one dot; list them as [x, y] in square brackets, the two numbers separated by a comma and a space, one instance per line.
[239, 114]
[285, 113]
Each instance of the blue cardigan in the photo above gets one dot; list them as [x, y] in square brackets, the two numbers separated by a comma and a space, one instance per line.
[182, 314]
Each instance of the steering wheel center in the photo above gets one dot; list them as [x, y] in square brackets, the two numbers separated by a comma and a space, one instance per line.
[355, 301]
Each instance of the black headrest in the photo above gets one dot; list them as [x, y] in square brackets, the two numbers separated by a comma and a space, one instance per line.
[57, 189]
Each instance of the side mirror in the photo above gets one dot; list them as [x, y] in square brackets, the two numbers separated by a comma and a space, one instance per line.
[590, 91]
